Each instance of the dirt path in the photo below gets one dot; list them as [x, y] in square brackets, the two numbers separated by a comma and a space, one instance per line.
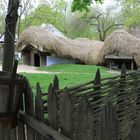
[32, 69]
[27, 69]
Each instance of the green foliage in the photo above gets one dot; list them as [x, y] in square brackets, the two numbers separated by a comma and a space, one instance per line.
[78, 27]
[82, 5]
[2, 24]
[3, 12]
[44, 14]
[130, 13]
[86, 32]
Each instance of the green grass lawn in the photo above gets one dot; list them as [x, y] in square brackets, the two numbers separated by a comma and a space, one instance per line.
[70, 74]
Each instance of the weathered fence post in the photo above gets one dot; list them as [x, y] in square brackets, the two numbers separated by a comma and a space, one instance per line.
[109, 123]
[65, 107]
[85, 120]
[132, 97]
[138, 92]
[29, 109]
[55, 86]
[135, 131]
[52, 108]
[123, 106]
[39, 109]
[11, 86]
[21, 127]
[56, 83]
[97, 102]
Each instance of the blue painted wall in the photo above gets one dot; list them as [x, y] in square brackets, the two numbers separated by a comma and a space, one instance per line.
[50, 60]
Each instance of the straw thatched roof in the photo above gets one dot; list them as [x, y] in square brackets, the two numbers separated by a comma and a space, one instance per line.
[88, 51]
[122, 43]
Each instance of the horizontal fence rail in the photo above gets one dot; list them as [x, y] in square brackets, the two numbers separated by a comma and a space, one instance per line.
[47, 132]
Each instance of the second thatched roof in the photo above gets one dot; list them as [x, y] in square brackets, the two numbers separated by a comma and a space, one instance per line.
[88, 51]
[122, 43]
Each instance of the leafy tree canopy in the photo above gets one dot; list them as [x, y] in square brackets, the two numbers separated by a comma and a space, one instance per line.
[131, 13]
[43, 14]
[82, 5]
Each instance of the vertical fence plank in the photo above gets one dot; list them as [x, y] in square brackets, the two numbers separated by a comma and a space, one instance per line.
[132, 105]
[17, 104]
[109, 123]
[4, 93]
[13, 134]
[20, 127]
[97, 80]
[56, 83]
[29, 109]
[91, 126]
[97, 99]
[135, 131]
[123, 69]
[137, 85]
[52, 108]
[84, 118]
[39, 109]
[1, 133]
[6, 134]
[66, 114]
[122, 106]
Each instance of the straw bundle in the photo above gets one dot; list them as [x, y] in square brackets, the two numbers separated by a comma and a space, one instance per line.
[122, 43]
[88, 51]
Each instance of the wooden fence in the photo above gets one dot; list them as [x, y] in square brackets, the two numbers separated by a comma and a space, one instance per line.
[101, 109]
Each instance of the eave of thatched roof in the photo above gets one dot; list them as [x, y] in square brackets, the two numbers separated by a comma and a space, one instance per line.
[88, 51]
[111, 56]
[122, 42]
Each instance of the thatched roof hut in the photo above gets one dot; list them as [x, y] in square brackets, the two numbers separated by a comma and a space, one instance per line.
[88, 51]
[122, 43]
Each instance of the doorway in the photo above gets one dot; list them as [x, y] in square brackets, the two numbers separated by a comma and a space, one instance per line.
[36, 60]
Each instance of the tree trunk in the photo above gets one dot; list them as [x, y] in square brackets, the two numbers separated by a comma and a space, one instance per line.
[9, 39]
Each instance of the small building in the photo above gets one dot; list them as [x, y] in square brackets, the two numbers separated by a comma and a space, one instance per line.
[37, 58]
[115, 61]
[41, 46]
[121, 47]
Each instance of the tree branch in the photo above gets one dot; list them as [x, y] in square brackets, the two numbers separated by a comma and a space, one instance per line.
[112, 26]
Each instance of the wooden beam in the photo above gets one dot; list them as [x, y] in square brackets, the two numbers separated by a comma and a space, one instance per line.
[41, 128]
[132, 65]
[118, 57]
[110, 65]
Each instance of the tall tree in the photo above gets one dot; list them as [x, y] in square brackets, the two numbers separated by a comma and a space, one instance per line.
[102, 22]
[130, 13]
[52, 12]
[79, 26]
[25, 7]
[9, 39]
[3, 11]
